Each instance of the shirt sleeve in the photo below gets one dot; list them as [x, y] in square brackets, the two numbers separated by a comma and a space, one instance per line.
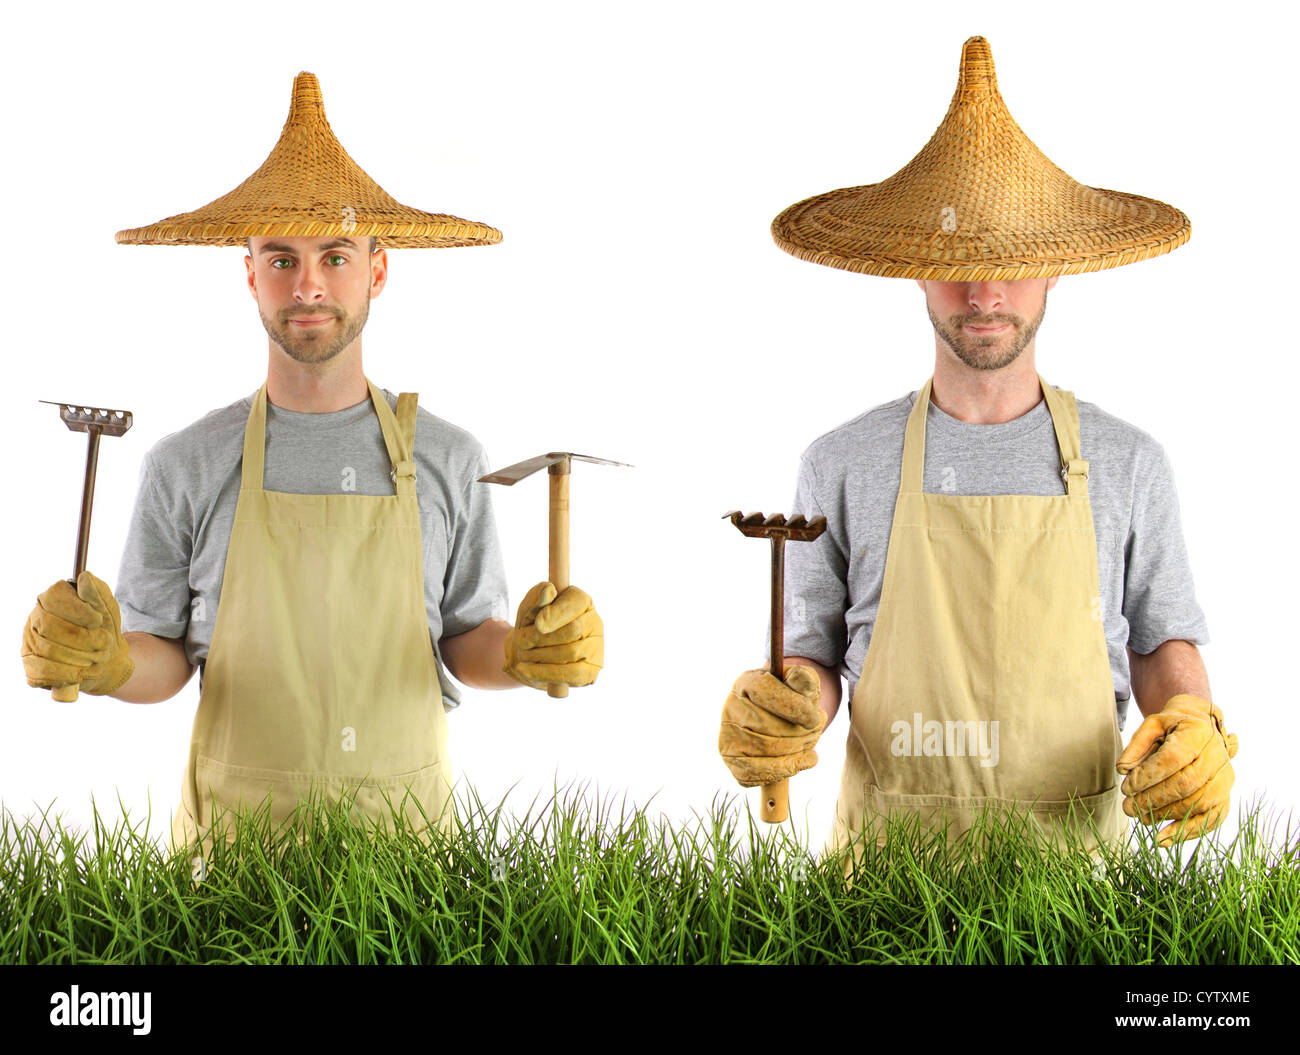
[474, 584]
[153, 580]
[816, 590]
[1159, 599]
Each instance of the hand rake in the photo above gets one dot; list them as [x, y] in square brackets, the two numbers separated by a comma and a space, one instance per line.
[775, 805]
[96, 422]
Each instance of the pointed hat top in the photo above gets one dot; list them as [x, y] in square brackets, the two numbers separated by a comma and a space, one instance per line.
[980, 202]
[309, 186]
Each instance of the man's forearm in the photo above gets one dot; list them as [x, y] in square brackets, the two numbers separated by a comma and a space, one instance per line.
[1175, 667]
[161, 668]
[476, 657]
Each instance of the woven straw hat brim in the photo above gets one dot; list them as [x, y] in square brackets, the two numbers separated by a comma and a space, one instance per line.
[979, 203]
[310, 187]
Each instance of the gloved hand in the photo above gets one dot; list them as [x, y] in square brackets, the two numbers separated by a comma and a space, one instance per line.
[1176, 766]
[76, 637]
[769, 728]
[555, 640]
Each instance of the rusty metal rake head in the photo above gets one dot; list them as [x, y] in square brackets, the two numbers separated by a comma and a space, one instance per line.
[96, 422]
[776, 527]
[797, 529]
[79, 418]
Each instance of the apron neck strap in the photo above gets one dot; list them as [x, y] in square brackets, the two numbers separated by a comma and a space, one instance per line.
[255, 442]
[399, 437]
[398, 430]
[1065, 419]
[914, 442]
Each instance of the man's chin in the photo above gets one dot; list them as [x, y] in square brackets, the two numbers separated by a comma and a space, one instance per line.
[987, 357]
[308, 353]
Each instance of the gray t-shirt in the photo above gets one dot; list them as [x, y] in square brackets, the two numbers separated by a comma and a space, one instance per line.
[169, 583]
[851, 475]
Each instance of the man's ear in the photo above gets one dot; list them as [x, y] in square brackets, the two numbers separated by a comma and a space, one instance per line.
[1052, 281]
[378, 271]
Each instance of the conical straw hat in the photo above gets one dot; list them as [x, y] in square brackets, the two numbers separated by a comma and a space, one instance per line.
[979, 203]
[309, 187]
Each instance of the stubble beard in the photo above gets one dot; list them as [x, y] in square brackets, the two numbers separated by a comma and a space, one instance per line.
[309, 347]
[984, 352]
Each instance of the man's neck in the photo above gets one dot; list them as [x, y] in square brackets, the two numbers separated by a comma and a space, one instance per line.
[985, 397]
[316, 388]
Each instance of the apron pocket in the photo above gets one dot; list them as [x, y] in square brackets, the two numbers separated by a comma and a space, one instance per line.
[1093, 818]
[222, 786]
[421, 796]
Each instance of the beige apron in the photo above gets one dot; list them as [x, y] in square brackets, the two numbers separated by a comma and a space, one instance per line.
[321, 673]
[987, 682]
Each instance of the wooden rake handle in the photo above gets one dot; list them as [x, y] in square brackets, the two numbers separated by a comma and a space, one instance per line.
[67, 693]
[775, 804]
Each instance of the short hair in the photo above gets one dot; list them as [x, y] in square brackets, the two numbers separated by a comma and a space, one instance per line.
[249, 243]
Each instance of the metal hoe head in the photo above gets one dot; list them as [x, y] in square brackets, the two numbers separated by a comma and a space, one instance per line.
[556, 461]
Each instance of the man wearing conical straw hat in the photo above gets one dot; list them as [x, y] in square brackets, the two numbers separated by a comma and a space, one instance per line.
[320, 549]
[1003, 565]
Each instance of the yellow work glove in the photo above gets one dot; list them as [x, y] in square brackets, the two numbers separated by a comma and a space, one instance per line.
[1176, 768]
[76, 637]
[555, 640]
[769, 728]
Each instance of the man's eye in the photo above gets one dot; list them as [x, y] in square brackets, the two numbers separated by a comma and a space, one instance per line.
[278, 261]
[339, 257]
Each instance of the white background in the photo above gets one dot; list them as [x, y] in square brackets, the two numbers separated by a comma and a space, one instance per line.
[638, 310]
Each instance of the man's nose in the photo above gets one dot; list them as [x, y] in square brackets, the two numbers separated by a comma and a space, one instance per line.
[986, 296]
[310, 285]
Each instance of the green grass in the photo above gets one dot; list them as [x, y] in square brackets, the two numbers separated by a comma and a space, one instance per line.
[574, 881]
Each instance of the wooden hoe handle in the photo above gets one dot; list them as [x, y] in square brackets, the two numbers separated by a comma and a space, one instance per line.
[559, 546]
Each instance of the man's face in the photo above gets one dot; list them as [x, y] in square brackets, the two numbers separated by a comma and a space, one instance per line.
[313, 294]
[987, 324]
